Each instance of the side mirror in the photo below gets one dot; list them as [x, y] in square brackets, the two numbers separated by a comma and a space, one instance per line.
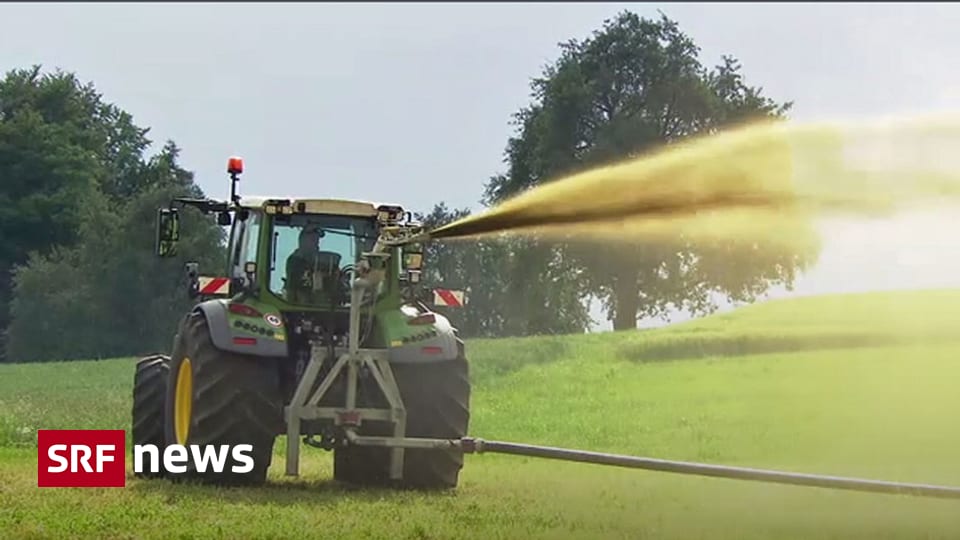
[168, 232]
[224, 219]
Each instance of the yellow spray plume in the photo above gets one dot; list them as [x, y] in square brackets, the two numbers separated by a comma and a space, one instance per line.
[762, 181]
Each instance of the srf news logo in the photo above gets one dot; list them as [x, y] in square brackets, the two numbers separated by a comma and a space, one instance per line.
[97, 458]
[81, 458]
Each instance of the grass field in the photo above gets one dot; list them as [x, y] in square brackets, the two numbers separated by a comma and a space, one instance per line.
[860, 385]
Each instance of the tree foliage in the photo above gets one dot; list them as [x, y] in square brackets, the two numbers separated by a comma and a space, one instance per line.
[635, 86]
[77, 202]
[49, 167]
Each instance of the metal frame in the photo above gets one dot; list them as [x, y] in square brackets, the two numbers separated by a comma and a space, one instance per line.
[305, 402]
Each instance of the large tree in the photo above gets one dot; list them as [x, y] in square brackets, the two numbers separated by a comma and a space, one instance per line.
[109, 295]
[50, 166]
[77, 195]
[633, 87]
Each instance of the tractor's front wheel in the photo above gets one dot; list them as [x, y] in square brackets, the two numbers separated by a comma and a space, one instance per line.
[436, 396]
[217, 398]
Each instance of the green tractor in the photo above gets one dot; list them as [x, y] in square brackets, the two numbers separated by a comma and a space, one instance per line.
[318, 330]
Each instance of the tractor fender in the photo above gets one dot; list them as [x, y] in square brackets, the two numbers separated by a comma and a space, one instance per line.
[222, 334]
[441, 345]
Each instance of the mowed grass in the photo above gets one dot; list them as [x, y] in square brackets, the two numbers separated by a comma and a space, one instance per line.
[729, 389]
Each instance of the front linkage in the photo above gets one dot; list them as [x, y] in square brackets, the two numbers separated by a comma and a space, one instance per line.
[304, 406]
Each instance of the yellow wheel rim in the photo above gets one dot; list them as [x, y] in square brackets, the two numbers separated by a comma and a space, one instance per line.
[183, 401]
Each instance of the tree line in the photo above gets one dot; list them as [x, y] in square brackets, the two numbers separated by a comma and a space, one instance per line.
[78, 195]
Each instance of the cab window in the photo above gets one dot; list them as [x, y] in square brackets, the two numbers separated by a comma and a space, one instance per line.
[312, 254]
[251, 239]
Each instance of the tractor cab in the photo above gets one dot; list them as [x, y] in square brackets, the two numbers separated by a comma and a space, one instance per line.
[301, 253]
[298, 254]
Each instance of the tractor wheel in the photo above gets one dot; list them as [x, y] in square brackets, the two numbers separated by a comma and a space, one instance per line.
[149, 395]
[221, 398]
[437, 398]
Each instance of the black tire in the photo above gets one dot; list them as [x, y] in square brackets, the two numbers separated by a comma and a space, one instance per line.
[149, 399]
[235, 400]
[437, 398]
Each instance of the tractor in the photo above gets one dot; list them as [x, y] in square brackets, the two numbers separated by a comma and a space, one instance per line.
[319, 329]
[321, 332]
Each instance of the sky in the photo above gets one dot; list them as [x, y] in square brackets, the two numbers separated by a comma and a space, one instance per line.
[411, 103]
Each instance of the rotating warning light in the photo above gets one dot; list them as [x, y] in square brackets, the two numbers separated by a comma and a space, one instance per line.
[235, 165]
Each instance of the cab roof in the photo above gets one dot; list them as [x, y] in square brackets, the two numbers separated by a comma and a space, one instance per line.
[343, 207]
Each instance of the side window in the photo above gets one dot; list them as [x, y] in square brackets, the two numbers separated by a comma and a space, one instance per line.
[249, 250]
[243, 243]
[236, 235]
[285, 239]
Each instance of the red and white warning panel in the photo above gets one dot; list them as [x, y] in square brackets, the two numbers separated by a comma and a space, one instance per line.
[214, 285]
[448, 298]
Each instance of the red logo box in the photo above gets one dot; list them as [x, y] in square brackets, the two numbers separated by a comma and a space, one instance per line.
[81, 458]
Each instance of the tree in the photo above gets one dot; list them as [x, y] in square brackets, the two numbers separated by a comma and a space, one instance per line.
[76, 222]
[109, 295]
[635, 86]
[50, 166]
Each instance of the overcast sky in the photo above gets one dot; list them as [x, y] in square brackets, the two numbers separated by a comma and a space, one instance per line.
[411, 103]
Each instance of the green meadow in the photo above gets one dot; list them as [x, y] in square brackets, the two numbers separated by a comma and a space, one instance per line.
[856, 385]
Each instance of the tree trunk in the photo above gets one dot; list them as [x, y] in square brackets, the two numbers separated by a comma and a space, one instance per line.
[627, 302]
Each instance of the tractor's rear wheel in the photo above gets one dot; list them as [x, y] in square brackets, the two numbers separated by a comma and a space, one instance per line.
[436, 396]
[221, 398]
[149, 396]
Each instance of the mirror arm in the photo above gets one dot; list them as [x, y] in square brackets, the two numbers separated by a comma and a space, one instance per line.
[206, 206]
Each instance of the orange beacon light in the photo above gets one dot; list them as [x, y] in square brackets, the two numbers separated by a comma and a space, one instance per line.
[235, 165]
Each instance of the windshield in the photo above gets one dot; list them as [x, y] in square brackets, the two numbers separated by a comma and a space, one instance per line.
[313, 253]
